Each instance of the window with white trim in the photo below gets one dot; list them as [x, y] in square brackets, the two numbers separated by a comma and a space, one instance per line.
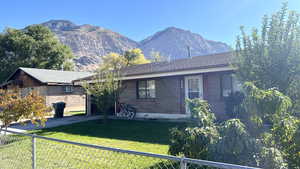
[146, 89]
[194, 88]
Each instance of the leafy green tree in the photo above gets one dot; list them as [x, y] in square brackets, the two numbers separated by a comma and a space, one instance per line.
[268, 104]
[271, 57]
[112, 61]
[35, 46]
[107, 84]
[104, 91]
[134, 57]
[271, 106]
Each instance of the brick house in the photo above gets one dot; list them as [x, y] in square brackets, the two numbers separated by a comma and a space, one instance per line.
[55, 85]
[159, 90]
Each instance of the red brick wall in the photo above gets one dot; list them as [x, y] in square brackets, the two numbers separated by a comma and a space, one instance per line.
[212, 93]
[171, 95]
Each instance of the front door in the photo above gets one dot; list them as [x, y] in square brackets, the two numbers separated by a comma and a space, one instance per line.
[193, 88]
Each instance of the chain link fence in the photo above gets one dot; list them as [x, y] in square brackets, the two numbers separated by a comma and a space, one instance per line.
[25, 151]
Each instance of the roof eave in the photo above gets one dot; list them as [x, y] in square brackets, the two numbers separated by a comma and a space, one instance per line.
[171, 73]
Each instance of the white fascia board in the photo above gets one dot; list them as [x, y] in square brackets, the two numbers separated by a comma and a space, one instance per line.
[175, 73]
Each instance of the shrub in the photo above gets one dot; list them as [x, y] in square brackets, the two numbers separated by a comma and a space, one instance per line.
[192, 142]
[286, 136]
[14, 107]
[201, 112]
[235, 144]
[271, 158]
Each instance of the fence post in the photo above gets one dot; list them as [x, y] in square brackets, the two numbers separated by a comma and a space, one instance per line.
[182, 163]
[33, 140]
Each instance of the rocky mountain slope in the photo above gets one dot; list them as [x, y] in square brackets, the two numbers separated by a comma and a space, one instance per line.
[89, 43]
[175, 43]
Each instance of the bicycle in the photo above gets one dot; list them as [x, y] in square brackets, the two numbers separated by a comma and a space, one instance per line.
[126, 111]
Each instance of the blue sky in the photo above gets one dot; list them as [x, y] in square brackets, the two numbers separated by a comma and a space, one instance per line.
[213, 19]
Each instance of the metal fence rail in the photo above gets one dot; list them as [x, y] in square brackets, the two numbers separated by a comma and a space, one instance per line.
[20, 150]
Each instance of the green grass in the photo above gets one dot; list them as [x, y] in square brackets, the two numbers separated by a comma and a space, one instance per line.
[145, 136]
[74, 113]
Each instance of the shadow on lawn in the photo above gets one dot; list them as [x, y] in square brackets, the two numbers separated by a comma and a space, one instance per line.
[142, 131]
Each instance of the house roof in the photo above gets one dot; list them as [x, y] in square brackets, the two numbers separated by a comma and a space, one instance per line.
[197, 62]
[52, 76]
[209, 63]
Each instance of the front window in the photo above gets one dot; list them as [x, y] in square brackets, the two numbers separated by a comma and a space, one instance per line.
[193, 88]
[229, 84]
[226, 85]
[146, 89]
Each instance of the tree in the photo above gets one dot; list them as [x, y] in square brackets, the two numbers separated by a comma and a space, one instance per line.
[134, 57]
[35, 46]
[156, 56]
[15, 107]
[107, 83]
[113, 62]
[271, 106]
[272, 58]
[104, 91]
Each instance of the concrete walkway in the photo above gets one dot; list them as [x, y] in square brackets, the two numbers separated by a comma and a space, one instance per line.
[52, 122]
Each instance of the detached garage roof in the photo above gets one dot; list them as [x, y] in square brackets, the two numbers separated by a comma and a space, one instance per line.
[49, 76]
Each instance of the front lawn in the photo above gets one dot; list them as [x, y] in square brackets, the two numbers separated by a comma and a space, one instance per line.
[145, 136]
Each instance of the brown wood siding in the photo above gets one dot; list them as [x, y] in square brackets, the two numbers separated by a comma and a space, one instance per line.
[53, 93]
[24, 81]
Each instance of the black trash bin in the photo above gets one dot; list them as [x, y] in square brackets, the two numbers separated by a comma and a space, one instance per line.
[59, 108]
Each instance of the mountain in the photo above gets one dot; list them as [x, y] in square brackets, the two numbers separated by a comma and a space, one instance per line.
[175, 43]
[89, 43]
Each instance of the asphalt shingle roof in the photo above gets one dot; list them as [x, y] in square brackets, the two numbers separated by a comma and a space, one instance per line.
[54, 76]
[197, 62]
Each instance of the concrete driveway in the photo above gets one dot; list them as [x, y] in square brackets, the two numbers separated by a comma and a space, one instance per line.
[52, 122]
